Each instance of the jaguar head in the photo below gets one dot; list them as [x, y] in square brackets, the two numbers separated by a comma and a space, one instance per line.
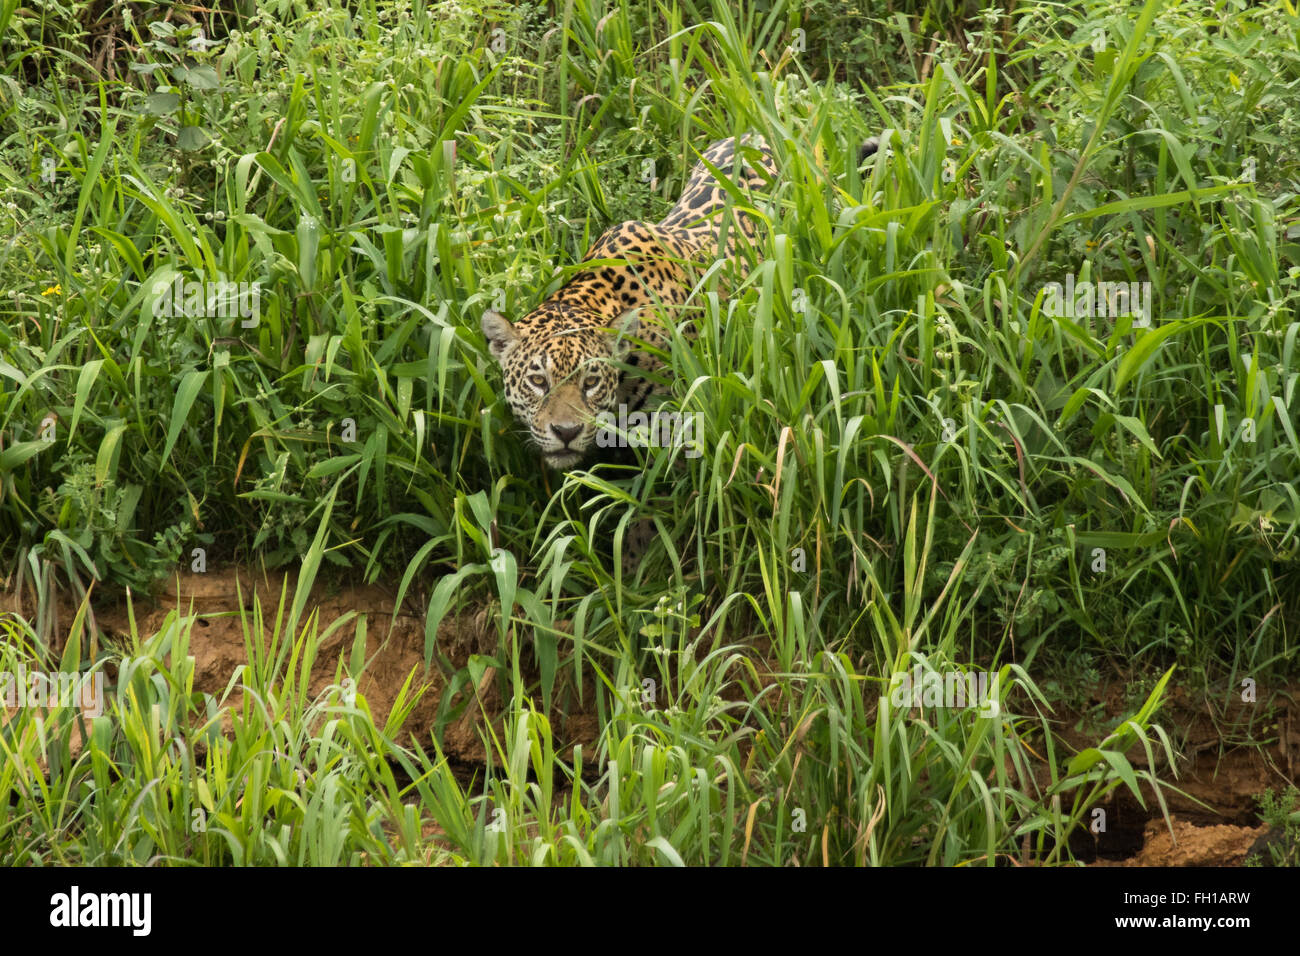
[560, 372]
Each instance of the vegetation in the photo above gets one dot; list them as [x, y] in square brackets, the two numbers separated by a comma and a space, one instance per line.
[914, 457]
[1281, 846]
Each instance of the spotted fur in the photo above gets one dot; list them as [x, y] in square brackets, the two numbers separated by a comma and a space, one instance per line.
[560, 362]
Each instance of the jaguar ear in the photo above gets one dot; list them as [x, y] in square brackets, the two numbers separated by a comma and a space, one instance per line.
[501, 335]
[625, 330]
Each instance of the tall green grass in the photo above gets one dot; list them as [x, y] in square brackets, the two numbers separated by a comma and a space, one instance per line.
[709, 762]
[1089, 489]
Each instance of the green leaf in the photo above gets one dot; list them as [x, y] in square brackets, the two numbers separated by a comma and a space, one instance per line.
[308, 243]
[1121, 766]
[1084, 761]
[332, 466]
[161, 104]
[1151, 202]
[439, 602]
[1135, 428]
[189, 388]
[191, 138]
[85, 382]
[506, 572]
[15, 455]
[108, 453]
[1076, 402]
[311, 563]
[202, 78]
[1143, 349]
[663, 846]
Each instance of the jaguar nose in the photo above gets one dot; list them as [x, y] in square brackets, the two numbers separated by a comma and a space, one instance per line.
[566, 433]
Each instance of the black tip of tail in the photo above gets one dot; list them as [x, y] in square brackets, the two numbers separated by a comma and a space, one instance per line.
[868, 149]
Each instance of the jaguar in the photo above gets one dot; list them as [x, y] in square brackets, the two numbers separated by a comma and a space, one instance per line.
[589, 347]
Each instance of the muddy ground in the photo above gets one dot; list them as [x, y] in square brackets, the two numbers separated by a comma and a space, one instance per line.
[1229, 754]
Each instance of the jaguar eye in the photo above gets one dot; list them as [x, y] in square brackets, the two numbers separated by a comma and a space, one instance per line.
[590, 382]
[537, 381]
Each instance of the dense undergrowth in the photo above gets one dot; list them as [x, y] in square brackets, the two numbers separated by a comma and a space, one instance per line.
[914, 456]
